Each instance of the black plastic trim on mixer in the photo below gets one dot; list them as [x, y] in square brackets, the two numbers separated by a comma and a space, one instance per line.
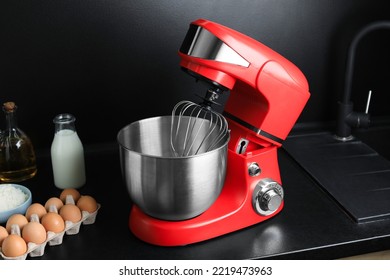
[251, 127]
[220, 88]
[212, 94]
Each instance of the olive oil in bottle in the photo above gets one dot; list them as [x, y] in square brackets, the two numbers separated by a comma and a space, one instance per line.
[17, 155]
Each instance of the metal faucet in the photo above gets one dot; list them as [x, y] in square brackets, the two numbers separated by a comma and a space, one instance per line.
[347, 118]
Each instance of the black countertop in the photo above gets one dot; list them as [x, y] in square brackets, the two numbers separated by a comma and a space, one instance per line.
[310, 226]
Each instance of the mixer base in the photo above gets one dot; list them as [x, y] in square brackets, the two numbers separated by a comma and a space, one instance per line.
[232, 211]
[201, 228]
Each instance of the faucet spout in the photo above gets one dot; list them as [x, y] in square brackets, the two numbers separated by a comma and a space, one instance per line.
[347, 118]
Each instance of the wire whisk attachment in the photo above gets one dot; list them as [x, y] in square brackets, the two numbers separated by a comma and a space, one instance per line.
[196, 129]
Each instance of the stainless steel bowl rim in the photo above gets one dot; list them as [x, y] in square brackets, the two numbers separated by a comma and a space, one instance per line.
[222, 146]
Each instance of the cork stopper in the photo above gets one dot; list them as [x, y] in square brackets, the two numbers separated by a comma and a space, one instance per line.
[9, 106]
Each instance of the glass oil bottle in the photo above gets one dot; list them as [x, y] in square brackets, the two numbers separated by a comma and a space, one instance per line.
[17, 155]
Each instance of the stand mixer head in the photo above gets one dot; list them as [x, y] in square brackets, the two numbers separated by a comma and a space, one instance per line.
[267, 95]
[267, 92]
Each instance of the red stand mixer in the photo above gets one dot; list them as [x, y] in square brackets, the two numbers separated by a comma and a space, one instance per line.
[267, 95]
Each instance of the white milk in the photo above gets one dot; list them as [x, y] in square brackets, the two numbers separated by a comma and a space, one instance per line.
[67, 155]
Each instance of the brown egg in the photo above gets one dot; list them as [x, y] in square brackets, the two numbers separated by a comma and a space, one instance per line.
[34, 232]
[54, 201]
[73, 192]
[87, 203]
[14, 246]
[70, 212]
[3, 234]
[17, 219]
[53, 222]
[35, 208]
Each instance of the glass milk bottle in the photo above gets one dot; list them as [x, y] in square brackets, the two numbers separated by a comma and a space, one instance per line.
[67, 154]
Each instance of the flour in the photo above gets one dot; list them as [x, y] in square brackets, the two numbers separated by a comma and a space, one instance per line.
[11, 197]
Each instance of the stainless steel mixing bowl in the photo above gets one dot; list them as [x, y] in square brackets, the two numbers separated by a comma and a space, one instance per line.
[162, 185]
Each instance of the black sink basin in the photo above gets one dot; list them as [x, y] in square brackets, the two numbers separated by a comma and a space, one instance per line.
[356, 173]
[377, 138]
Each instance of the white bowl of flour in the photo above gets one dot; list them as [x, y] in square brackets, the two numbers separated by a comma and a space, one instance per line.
[14, 199]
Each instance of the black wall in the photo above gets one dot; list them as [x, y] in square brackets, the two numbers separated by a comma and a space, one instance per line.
[112, 62]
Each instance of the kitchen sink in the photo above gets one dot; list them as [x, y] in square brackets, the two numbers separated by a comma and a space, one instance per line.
[355, 173]
[377, 138]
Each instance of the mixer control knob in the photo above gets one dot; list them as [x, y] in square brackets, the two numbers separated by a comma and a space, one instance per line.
[267, 197]
[270, 201]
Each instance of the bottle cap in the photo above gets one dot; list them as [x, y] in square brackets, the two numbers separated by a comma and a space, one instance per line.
[9, 106]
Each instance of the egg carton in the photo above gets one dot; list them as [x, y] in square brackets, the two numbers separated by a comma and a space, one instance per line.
[54, 239]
